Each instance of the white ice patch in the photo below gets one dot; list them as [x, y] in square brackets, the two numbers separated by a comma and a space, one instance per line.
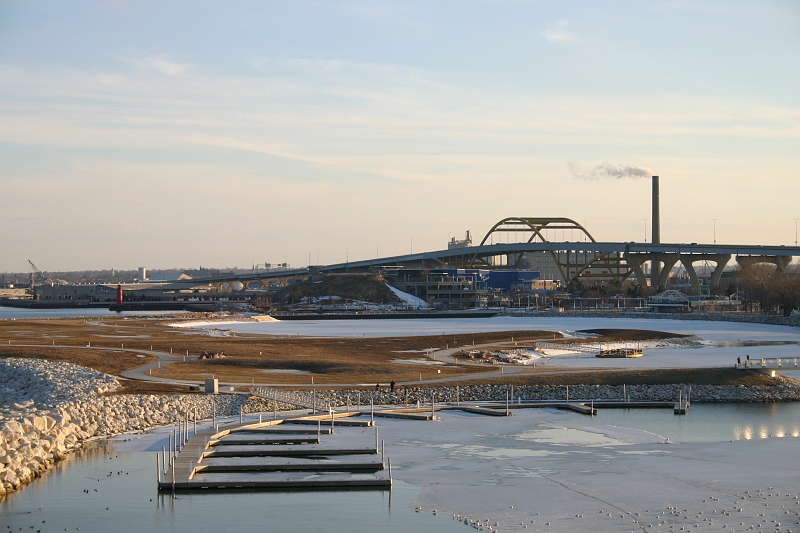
[590, 436]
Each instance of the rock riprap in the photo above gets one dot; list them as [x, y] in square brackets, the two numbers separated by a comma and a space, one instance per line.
[49, 409]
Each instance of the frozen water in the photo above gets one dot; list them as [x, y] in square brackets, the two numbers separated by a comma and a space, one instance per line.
[710, 354]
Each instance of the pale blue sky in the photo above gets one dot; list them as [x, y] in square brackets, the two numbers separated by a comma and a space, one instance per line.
[159, 134]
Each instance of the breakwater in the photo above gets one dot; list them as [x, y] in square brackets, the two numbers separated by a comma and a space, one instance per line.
[785, 390]
[775, 320]
[48, 409]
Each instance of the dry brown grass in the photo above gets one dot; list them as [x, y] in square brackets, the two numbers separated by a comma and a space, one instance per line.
[329, 360]
[334, 360]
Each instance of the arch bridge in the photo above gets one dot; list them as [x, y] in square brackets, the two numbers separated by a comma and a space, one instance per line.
[576, 254]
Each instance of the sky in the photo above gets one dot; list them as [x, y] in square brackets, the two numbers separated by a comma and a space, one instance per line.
[191, 133]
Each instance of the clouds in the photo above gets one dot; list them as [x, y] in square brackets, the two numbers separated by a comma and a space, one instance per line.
[161, 65]
[559, 36]
[399, 116]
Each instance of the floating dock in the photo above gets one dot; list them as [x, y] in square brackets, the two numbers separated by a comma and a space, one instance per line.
[261, 456]
[276, 454]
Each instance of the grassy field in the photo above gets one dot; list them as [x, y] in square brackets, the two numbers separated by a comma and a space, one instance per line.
[298, 359]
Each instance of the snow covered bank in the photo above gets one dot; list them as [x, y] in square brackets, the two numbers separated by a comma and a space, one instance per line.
[409, 299]
[224, 320]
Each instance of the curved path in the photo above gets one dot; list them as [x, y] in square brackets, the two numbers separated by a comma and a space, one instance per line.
[143, 373]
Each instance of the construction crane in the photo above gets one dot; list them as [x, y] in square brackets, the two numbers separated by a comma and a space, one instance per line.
[36, 275]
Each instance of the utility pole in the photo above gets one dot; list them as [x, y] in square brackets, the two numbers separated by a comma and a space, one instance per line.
[715, 229]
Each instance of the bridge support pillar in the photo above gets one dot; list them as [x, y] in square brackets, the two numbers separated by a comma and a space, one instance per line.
[688, 261]
[722, 260]
[669, 261]
[688, 264]
[635, 261]
[747, 261]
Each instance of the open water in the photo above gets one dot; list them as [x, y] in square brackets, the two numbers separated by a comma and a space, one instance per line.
[122, 494]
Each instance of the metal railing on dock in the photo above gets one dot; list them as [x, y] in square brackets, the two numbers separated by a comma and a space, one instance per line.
[289, 398]
[281, 461]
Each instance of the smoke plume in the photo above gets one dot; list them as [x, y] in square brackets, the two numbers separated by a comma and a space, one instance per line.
[607, 170]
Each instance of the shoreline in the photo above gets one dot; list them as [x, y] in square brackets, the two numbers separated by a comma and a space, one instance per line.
[39, 431]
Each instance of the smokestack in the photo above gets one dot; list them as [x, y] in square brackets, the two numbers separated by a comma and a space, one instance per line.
[656, 216]
[655, 266]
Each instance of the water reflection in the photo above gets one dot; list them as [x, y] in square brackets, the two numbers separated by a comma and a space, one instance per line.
[706, 422]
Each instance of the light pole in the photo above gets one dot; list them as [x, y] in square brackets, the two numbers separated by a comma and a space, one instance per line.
[645, 228]
[412, 245]
[715, 229]
[795, 230]
[377, 250]
[585, 221]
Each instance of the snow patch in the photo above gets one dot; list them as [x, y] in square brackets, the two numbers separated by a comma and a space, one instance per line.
[409, 299]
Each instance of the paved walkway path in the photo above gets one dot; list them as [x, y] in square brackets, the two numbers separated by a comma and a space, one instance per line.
[142, 373]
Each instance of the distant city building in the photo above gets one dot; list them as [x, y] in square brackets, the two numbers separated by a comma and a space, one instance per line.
[455, 244]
